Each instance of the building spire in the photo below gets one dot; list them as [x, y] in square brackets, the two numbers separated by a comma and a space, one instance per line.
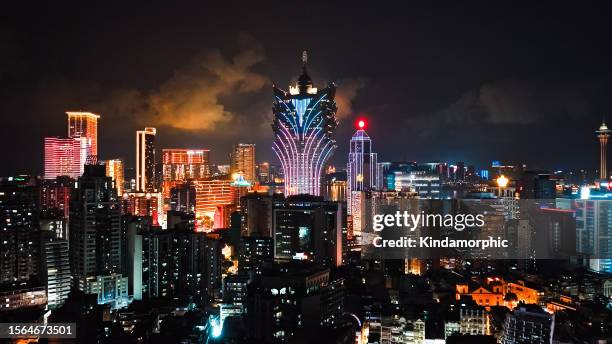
[304, 81]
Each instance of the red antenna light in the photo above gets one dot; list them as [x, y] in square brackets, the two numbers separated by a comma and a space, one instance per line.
[361, 124]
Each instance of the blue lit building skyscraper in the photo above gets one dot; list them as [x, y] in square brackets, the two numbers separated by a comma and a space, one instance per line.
[304, 124]
[362, 176]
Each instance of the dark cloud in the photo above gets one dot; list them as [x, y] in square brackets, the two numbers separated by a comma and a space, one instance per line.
[346, 94]
[511, 102]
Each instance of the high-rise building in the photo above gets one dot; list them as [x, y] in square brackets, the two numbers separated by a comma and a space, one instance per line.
[304, 124]
[308, 228]
[136, 233]
[593, 229]
[115, 170]
[180, 165]
[243, 161]
[362, 162]
[55, 203]
[145, 160]
[19, 231]
[256, 214]
[20, 281]
[56, 270]
[528, 324]
[603, 134]
[84, 125]
[183, 263]
[64, 157]
[95, 233]
[361, 175]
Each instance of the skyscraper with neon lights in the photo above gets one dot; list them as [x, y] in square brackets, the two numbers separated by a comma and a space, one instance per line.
[115, 170]
[361, 176]
[145, 159]
[84, 124]
[64, 157]
[304, 124]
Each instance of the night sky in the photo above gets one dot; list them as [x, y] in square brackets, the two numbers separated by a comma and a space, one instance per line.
[453, 83]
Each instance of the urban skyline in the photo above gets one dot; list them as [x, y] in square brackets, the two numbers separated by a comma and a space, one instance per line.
[430, 175]
[551, 73]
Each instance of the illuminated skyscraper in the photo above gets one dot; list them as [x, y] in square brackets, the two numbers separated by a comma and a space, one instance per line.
[84, 124]
[361, 174]
[243, 161]
[304, 124]
[64, 157]
[115, 170]
[180, 165]
[603, 134]
[145, 159]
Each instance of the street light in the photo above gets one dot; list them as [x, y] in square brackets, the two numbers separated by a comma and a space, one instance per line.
[502, 182]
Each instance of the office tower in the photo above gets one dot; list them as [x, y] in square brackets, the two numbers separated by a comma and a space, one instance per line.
[64, 157]
[180, 165]
[84, 125]
[56, 269]
[19, 231]
[243, 161]
[528, 324]
[255, 252]
[115, 170]
[361, 175]
[603, 134]
[307, 227]
[145, 160]
[304, 124]
[95, 236]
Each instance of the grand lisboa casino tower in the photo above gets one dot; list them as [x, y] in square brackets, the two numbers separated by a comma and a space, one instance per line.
[304, 125]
